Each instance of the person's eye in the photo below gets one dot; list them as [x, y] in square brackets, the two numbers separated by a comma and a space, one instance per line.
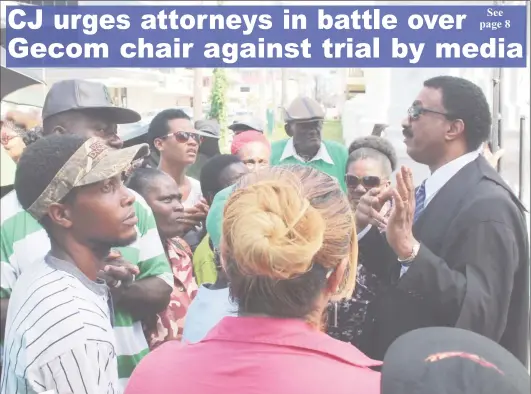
[108, 187]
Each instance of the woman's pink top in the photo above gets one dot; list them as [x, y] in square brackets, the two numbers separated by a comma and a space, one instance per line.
[257, 355]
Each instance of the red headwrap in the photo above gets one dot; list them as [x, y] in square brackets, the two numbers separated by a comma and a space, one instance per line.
[246, 137]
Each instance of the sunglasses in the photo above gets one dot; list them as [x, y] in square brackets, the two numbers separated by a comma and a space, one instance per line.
[19, 130]
[368, 182]
[184, 136]
[415, 111]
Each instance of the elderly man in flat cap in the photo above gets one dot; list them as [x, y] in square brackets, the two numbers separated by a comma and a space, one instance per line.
[305, 145]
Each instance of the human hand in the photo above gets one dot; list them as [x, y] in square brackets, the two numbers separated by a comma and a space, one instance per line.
[117, 271]
[198, 212]
[399, 231]
[369, 208]
[193, 217]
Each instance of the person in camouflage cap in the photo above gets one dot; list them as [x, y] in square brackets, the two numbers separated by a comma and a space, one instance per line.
[85, 108]
[72, 185]
[93, 162]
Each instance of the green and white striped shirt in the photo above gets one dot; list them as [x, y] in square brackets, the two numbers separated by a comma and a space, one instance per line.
[24, 241]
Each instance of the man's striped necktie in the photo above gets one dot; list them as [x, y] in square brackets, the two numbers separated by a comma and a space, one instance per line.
[420, 199]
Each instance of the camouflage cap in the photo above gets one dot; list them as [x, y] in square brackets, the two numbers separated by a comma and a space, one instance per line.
[303, 109]
[93, 162]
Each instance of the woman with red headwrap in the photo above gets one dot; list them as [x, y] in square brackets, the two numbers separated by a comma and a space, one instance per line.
[253, 149]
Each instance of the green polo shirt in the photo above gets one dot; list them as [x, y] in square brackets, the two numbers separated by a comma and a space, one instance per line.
[330, 159]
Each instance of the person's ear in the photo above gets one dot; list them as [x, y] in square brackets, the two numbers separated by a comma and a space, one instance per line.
[457, 128]
[59, 130]
[336, 276]
[287, 129]
[158, 144]
[60, 214]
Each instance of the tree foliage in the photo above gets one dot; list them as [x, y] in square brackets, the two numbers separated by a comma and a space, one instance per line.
[218, 99]
[218, 96]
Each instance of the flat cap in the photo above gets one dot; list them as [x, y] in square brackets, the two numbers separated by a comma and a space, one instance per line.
[303, 109]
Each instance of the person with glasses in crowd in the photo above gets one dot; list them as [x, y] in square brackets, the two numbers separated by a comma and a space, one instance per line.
[17, 130]
[288, 246]
[253, 148]
[305, 146]
[59, 331]
[455, 250]
[171, 133]
[370, 164]
[85, 108]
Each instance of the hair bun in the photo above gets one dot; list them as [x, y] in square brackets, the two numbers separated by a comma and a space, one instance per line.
[272, 229]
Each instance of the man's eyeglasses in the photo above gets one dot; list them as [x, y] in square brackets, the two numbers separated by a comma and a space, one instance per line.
[184, 136]
[368, 182]
[415, 111]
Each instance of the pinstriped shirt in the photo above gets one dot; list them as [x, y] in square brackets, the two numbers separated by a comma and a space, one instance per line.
[59, 334]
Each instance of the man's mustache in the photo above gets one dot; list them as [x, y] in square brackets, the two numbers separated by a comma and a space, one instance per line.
[407, 132]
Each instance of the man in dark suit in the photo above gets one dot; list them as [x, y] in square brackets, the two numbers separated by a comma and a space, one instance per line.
[455, 250]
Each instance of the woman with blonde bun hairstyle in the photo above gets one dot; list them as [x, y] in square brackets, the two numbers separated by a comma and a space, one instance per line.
[288, 247]
[289, 243]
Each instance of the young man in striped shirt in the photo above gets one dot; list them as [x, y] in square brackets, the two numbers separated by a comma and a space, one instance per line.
[84, 108]
[59, 332]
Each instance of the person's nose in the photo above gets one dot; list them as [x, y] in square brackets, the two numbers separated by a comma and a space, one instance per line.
[406, 122]
[114, 141]
[178, 207]
[360, 189]
[251, 166]
[128, 197]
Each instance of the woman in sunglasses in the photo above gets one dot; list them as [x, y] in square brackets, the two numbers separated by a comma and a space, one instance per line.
[18, 129]
[370, 164]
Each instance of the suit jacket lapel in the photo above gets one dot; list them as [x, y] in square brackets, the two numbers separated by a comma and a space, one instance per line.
[436, 218]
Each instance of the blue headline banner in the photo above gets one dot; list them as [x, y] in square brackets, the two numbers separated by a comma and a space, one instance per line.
[266, 36]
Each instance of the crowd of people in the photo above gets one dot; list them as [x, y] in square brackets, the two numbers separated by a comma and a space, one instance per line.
[297, 265]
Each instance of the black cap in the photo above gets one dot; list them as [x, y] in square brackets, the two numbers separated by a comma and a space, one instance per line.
[442, 360]
[77, 94]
